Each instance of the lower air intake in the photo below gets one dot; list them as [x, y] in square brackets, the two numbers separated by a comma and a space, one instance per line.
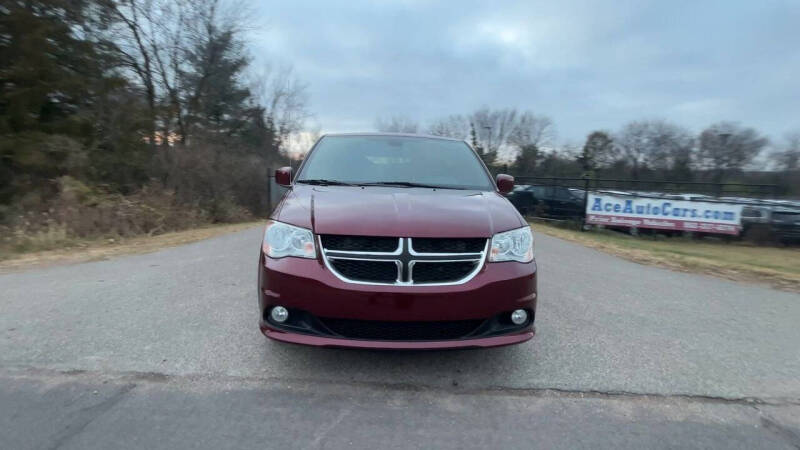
[401, 331]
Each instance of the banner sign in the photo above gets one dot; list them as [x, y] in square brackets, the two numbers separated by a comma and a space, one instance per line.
[663, 214]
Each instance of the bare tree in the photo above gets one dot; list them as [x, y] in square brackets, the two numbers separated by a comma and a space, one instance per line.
[500, 130]
[284, 99]
[529, 134]
[155, 39]
[727, 146]
[135, 46]
[634, 147]
[788, 158]
[654, 144]
[492, 129]
[672, 146]
[532, 129]
[396, 124]
[453, 126]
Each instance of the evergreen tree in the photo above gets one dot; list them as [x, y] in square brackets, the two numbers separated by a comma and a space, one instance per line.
[526, 161]
[597, 151]
[487, 156]
[53, 75]
[219, 104]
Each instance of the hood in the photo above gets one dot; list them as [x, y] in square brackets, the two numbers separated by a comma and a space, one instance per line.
[403, 212]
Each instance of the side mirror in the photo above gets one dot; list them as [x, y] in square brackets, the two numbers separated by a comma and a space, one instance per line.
[283, 176]
[505, 183]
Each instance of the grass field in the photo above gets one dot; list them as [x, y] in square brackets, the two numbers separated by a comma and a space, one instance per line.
[99, 249]
[778, 267]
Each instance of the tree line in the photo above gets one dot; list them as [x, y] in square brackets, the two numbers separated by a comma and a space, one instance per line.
[523, 143]
[155, 102]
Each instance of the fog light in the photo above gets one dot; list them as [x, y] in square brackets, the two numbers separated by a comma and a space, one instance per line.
[519, 316]
[280, 314]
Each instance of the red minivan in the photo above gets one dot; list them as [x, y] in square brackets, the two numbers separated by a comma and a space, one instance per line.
[398, 242]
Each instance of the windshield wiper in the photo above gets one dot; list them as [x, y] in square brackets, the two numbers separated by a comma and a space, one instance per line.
[406, 184]
[323, 182]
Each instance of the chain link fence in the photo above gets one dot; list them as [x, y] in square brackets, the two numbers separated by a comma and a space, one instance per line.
[765, 212]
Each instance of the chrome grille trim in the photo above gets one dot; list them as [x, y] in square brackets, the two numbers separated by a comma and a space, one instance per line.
[405, 257]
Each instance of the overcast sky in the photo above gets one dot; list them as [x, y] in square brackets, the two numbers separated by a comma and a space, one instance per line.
[587, 66]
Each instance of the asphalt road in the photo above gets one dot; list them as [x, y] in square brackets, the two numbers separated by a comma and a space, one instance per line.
[163, 351]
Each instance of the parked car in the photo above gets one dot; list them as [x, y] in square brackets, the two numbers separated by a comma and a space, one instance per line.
[762, 221]
[785, 225]
[396, 241]
[548, 201]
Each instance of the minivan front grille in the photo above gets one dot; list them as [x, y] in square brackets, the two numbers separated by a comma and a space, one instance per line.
[408, 261]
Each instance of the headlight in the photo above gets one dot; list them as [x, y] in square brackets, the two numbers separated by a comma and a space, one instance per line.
[282, 240]
[514, 245]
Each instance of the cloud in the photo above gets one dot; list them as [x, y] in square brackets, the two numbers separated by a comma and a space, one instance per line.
[585, 64]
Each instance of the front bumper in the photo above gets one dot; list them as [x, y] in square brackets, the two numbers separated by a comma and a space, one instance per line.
[308, 287]
[320, 341]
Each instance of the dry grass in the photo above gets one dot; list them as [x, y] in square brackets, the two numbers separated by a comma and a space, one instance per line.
[778, 267]
[75, 251]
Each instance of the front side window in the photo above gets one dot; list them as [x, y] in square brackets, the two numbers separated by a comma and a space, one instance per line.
[395, 159]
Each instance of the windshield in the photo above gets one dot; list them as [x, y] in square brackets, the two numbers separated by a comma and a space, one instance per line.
[395, 159]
